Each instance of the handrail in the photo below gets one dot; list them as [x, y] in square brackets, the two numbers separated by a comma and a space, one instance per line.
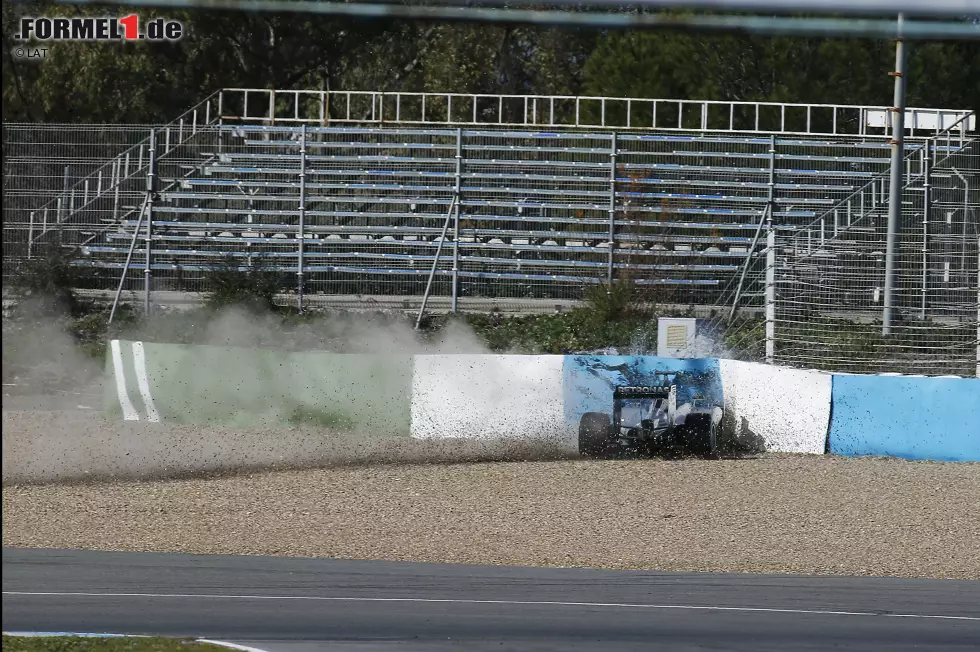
[108, 165]
[540, 110]
[881, 177]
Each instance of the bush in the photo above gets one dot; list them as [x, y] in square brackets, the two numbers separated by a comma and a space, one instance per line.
[48, 281]
[612, 302]
[253, 287]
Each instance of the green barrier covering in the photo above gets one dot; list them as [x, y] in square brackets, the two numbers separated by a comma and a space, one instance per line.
[258, 387]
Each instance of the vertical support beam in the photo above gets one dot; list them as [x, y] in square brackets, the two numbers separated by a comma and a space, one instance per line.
[613, 150]
[978, 307]
[64, 203]
[895, 189]
[771, 297]
[151, 173]
[63, 210]
[966, 221]
[30, 236]
[771, 258]
[456, 202]
[116, 181]
[302, 218]
[926, 210]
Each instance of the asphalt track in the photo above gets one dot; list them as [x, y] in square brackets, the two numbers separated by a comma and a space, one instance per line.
[299, 605]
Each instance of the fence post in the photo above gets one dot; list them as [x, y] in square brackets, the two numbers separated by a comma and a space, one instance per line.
[612, 208]
[770, 296]
[116, 181]
[302, 217]
[150, 189]
[895, 189]
[456, 202]
[63, 207]
[30, 236]
[926, 209]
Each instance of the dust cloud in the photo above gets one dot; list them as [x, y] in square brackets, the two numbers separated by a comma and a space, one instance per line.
[46, 438]
[41, 357]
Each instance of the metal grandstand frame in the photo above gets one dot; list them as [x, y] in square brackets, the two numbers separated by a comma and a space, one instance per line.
[546, 194]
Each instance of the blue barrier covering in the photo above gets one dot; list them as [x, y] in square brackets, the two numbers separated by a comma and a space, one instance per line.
[912, 418]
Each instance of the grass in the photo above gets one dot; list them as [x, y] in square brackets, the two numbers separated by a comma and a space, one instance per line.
[111, 644]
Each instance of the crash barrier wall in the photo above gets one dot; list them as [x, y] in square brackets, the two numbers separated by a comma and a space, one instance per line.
[776, 408]
[527, 397]
[906, 416]
[255, 387]
[489, 396]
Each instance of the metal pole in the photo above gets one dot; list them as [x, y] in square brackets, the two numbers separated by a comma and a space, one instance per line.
[129, 258]
[612, 207]
[966, 220]
[978, 307]
[30, 236]
[456, 193]
[116, 182]
[771, 261]
[895, 189]
[926, 209]
[151, 173]
[771, 296]
[435, 262]
[63, 207]
[302, 217]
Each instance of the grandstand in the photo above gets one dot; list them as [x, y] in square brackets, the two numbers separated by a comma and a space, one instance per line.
[517, 200]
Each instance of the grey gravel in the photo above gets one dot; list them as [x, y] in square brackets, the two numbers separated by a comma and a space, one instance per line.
[774, 513]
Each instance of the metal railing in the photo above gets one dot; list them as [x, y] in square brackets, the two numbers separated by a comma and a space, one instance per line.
[284, 107]
[109, 181]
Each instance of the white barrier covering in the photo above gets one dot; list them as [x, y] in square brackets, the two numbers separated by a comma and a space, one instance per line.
[787, 409]
[492, 396]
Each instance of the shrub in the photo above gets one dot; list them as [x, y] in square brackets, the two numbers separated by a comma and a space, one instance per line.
[48, 281]
[253, 287]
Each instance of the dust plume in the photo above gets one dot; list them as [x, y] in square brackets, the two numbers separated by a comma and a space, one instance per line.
[51, 441]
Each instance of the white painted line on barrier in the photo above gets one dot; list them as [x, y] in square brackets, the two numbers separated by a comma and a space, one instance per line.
[622, 605]
[139, 363]
[129, 412]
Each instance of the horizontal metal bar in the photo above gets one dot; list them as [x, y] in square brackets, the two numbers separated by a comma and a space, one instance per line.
[953, 8]
[765, 25]
[400, 272]
[516, 247]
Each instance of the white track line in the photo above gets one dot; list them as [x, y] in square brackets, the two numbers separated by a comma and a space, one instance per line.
[139, 363]
[622, 605]
[232, 646]
[129, 412]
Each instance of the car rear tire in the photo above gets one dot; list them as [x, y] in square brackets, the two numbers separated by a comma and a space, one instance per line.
[593, 435]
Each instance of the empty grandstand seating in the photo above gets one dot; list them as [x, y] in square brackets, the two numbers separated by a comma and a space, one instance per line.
[517, 212]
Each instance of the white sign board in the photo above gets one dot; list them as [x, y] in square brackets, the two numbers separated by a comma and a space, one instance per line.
[675, 335]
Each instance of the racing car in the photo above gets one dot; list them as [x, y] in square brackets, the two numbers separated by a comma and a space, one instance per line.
[668, 417]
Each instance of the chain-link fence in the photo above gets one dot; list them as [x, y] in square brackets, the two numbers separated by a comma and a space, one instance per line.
[819, 290]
